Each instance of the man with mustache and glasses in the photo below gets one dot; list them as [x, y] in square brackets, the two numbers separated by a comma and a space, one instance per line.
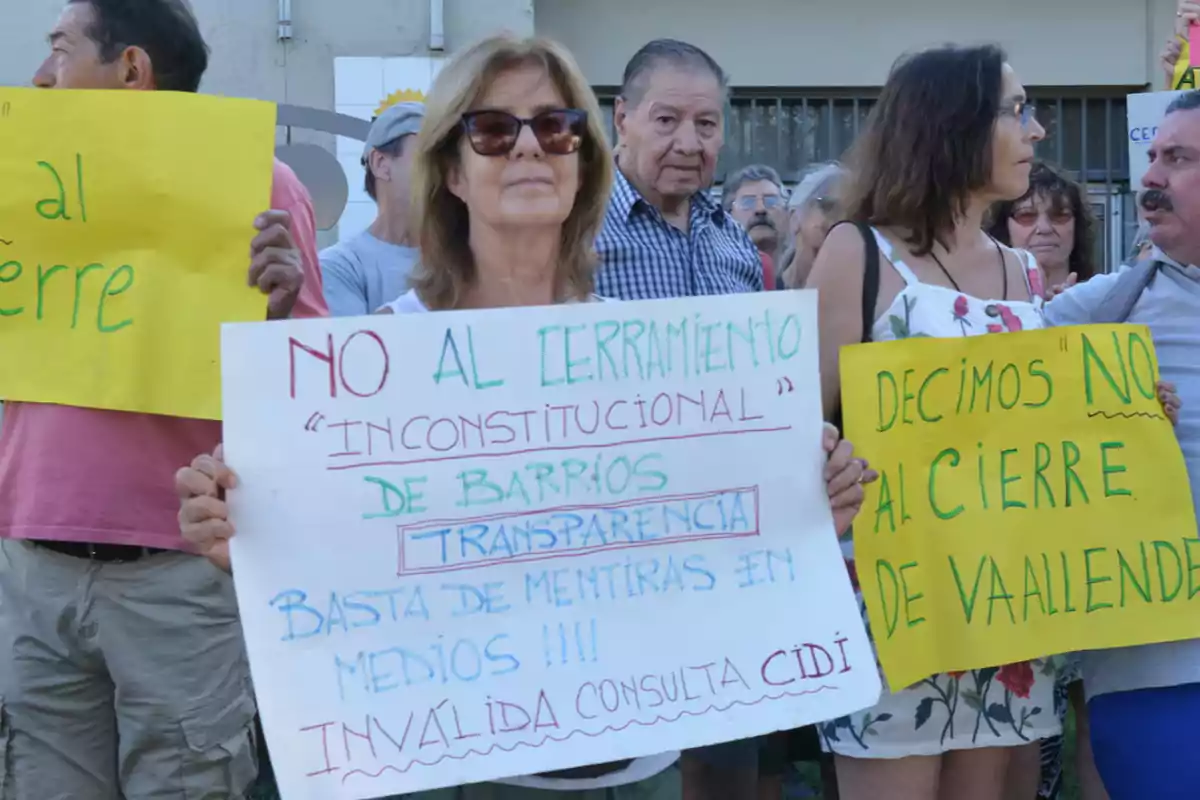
[755, 197]
[1144, 700]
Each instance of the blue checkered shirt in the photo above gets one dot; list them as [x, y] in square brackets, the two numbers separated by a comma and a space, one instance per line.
[644, 257]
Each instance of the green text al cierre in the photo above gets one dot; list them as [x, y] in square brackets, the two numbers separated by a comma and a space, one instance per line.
[34, 285]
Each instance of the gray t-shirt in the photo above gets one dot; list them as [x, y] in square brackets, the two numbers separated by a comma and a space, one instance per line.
[1170, 307]
[363, 273]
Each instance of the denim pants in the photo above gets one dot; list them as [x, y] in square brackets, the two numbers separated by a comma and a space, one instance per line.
[1146, 742]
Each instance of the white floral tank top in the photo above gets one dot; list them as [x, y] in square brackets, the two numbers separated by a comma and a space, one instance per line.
[926, 309]
[1002, 706]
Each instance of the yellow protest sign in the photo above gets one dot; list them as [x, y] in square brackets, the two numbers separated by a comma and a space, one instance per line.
[1033, 499]
[125, 227]
[1184, 77]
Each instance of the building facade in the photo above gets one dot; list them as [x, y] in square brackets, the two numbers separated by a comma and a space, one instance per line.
[804, 72]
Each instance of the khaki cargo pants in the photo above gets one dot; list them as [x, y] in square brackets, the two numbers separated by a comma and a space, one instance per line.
[121, 681]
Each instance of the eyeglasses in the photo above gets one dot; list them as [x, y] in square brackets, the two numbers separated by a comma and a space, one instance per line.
[559, 131]
[1023, 110]
[750, 202]
[1029, 216]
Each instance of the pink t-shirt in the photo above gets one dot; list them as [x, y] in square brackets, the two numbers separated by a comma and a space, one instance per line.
[107, 477]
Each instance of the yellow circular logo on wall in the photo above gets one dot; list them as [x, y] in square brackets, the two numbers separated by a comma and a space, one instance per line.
[402, 96]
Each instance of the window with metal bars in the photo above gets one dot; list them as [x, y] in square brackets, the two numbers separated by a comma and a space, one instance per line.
[792, 129]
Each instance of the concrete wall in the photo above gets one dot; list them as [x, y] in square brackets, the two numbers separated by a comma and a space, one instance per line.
[761, 42]
[853, 42]
[248, 60]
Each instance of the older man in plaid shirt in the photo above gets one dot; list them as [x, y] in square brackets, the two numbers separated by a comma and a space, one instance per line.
[664, 236]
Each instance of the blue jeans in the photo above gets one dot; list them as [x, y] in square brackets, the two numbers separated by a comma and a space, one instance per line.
[1146, 742]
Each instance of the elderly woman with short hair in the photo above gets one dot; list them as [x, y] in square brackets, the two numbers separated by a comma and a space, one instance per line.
[511, 176]
[812, 208]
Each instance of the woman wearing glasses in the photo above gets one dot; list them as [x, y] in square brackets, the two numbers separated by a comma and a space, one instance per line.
[511, 176]
[812, 209]
[1054, 222]
[950, 135]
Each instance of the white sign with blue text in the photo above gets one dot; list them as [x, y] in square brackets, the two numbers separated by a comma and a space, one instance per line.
[475, 545]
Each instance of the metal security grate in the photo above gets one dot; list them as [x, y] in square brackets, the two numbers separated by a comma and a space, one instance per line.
[793, 128]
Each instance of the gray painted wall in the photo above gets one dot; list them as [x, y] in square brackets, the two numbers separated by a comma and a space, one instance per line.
[761, 42]
[854, 42]
[248, 60]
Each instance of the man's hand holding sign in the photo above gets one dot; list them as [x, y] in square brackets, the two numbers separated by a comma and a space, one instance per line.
[1017, 476]
[275, 266]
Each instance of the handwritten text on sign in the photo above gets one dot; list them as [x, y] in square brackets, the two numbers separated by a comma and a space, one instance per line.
[478, 545]
[119, 259]
[1033, 498]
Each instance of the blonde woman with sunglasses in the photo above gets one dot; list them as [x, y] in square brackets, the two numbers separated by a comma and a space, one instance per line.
[511, 176]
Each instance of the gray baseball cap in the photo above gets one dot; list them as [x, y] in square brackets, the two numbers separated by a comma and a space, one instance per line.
[402, 119]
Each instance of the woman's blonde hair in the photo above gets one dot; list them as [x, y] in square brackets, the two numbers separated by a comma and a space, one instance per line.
[440, 220]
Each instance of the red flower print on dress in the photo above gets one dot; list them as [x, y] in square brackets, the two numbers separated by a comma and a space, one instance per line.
[1011, 321]
[1017, 678]
[1008, 320]
[961, 308]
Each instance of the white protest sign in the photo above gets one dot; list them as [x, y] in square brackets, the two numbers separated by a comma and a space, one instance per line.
[475, 545]
[1145, 111]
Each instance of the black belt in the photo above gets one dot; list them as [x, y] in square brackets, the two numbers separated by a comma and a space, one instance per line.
[108, 553]
[590, 771]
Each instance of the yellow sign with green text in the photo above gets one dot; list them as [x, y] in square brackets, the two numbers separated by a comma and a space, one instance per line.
[1032, 498]
[125, 227]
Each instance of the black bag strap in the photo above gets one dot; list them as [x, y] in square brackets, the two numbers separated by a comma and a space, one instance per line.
[870, 290]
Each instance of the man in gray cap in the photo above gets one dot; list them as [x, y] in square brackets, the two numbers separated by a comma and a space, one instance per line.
[370, 269]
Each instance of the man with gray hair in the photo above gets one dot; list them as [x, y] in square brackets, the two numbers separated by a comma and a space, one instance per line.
[372, 268]
[663, 236]
[756, 198]
[1144, 701]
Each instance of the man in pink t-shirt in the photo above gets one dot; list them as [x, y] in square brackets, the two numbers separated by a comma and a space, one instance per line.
[122, 667]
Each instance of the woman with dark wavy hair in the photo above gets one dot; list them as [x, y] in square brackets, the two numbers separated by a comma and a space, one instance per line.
[1054, 221]
[951, 135]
